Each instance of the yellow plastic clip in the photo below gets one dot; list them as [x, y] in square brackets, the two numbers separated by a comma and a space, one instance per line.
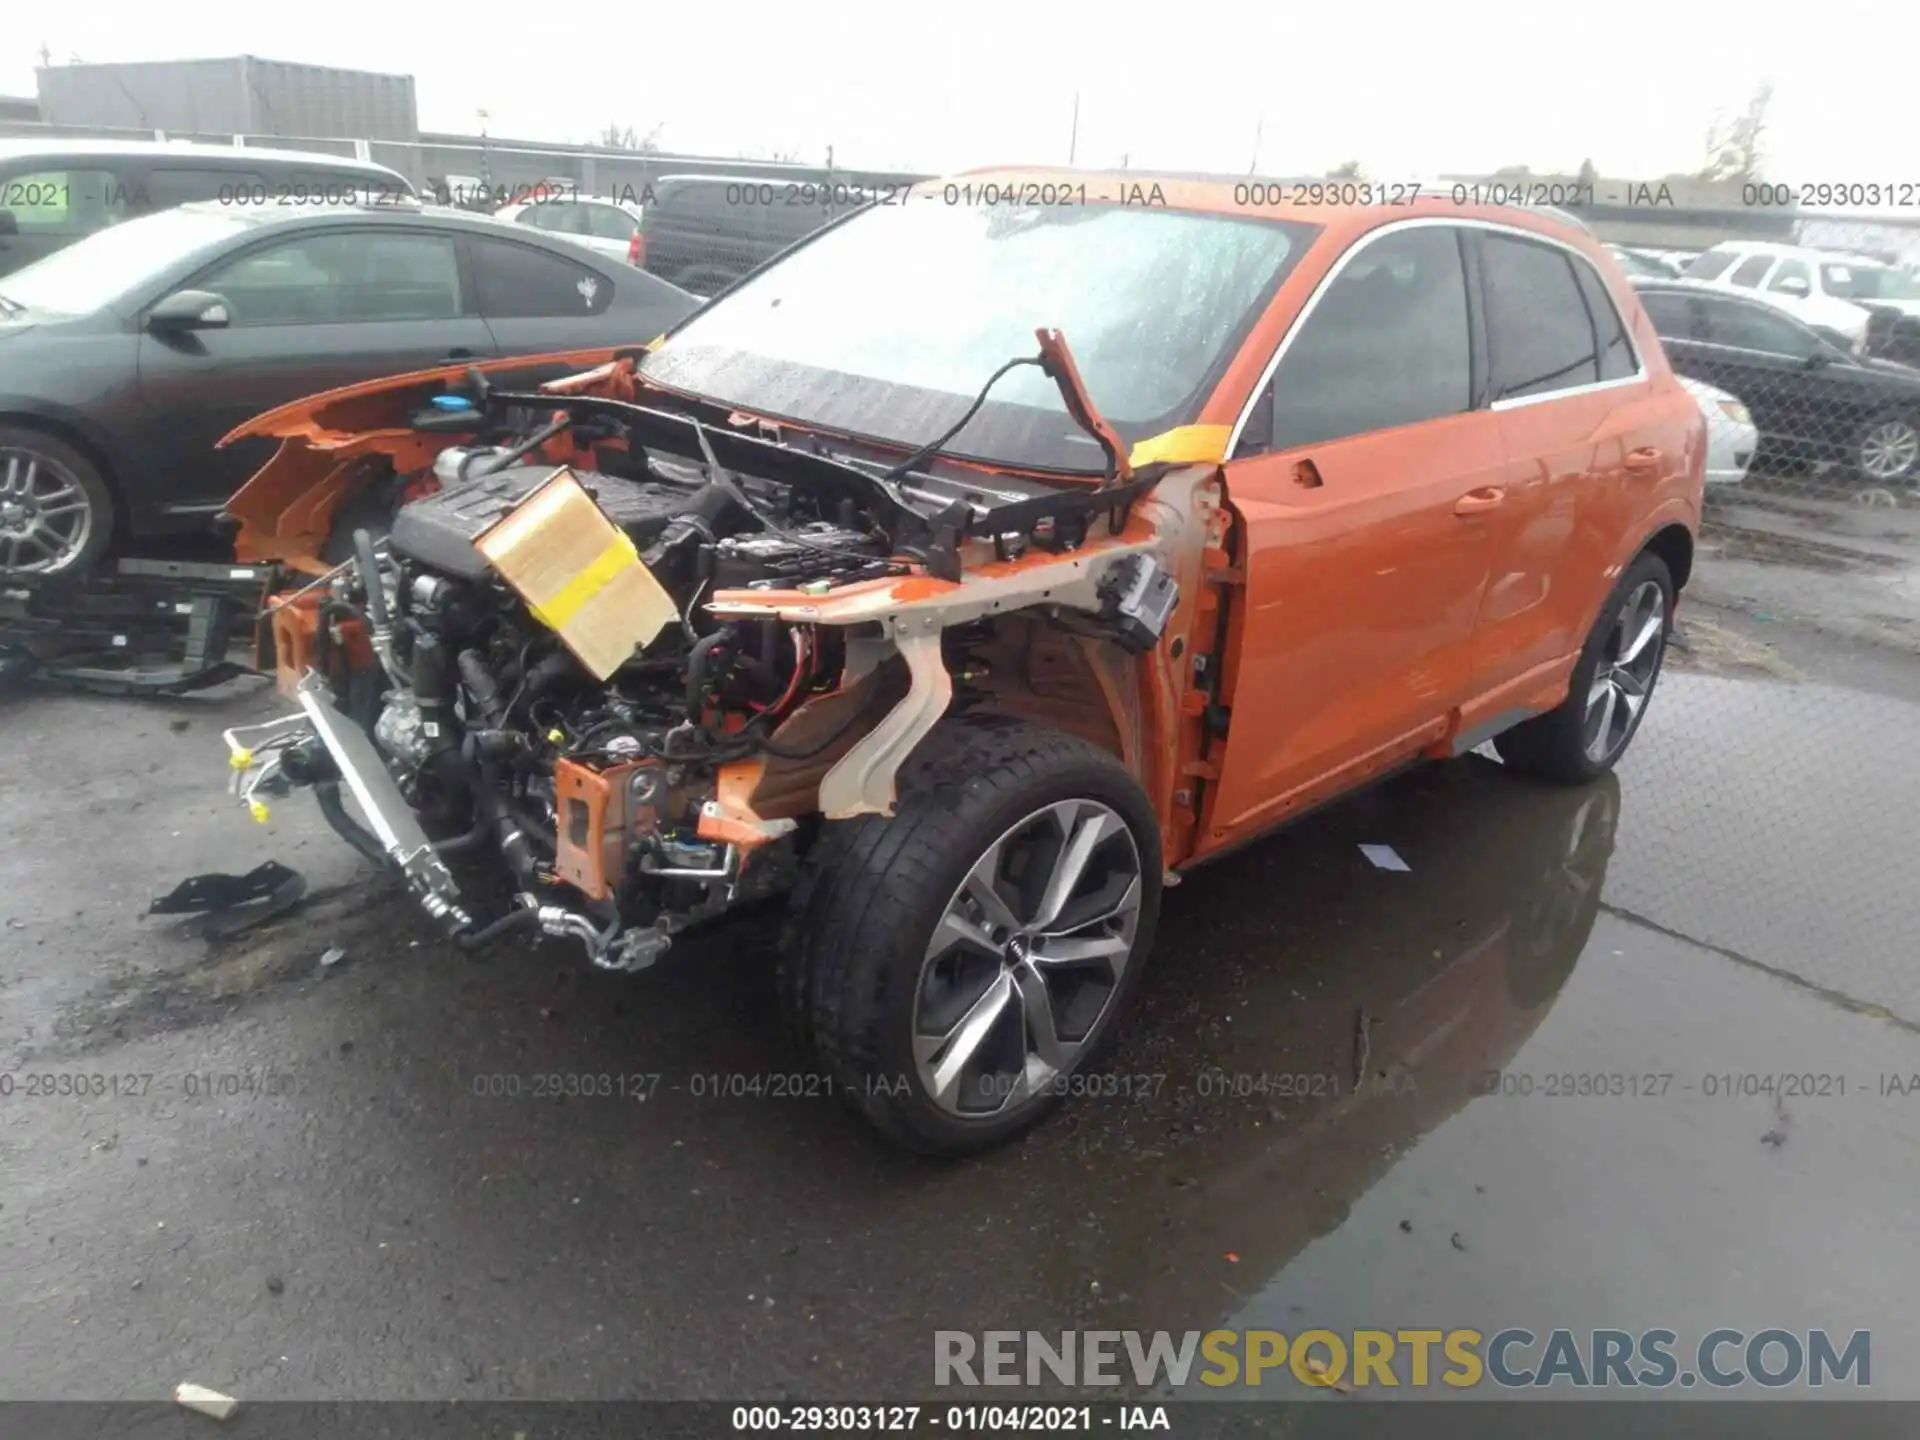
[258, 809]
[556, 737]
[241, 760]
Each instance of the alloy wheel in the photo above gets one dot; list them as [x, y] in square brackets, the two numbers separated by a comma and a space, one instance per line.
[1889, 449]
[46, 519]
[1624, 676]
[1023, 967]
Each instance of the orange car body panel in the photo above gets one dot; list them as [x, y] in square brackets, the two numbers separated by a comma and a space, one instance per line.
[1371, 616]
[285, 511]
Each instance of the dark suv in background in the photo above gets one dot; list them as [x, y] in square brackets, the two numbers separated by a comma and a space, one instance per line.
[54, 192]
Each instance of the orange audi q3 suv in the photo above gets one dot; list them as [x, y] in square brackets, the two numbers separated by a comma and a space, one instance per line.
[968, 571]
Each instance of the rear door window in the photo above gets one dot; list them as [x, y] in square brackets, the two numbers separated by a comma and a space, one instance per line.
[1539, 331]
[1755, 327]
[518, 282]
[1675, 317]
[65, 204]
[1748, 272]
[1385, 345]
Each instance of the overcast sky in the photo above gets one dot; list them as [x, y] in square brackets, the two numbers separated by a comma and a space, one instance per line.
[1410, 91]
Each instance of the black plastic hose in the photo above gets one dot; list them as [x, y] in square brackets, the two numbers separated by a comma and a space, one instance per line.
[505, 925]
[327, 793]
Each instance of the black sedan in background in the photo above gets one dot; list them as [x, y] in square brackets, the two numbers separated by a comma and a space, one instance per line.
[126, 356]
[1811, 401]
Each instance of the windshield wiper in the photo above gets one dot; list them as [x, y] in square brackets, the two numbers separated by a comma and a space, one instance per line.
[11, 307]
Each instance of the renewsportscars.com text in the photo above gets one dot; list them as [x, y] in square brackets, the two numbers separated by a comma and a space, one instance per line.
[1457, 1359]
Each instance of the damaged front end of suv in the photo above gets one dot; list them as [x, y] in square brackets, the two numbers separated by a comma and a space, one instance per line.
[858, 586]
[639, 647]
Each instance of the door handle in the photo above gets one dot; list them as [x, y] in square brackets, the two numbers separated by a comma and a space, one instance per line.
[1643, 460]
[1476, 502]
[457, 353]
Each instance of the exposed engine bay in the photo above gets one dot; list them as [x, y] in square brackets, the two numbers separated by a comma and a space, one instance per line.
[629, 656]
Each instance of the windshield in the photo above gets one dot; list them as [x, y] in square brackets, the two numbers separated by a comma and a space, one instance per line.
[888, 325]
[91, 274]
[1868, 282]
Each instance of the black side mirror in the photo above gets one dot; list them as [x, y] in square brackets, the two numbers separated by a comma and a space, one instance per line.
[9, 223]
[190, 310]
[1818, 360]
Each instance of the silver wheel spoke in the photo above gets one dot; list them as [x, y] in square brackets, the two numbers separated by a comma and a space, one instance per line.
[1128, 902]
[948, 1054]
[1084, 834]
[1597, 738]
[1648, 632]
[1074, 950]
[1602, 688]
[1038, 1008]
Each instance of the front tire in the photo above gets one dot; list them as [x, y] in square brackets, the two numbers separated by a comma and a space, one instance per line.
[1587, 733]
[954, 967]
[56, 515]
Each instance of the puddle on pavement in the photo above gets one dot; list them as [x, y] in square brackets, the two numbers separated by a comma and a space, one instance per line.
[226, 975]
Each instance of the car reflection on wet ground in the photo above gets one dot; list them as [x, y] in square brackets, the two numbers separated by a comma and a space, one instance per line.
[1339, 1104]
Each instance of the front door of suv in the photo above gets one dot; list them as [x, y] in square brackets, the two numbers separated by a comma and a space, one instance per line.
[1364, 480]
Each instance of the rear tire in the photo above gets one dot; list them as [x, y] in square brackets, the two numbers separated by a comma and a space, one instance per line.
[1886, 450]
[56, 513]
[1612, 685]
[951, 968]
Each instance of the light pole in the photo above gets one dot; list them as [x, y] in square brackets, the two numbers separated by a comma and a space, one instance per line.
[486, 168]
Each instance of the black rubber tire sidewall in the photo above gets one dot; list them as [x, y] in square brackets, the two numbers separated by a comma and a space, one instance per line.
[87, 475]
[875, 887]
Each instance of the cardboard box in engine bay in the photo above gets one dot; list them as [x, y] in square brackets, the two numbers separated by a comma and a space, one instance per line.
[579, 574]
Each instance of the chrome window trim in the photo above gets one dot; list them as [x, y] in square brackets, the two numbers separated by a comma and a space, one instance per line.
[1428, 222]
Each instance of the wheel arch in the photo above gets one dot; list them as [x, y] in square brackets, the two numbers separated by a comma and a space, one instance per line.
[1674, 544]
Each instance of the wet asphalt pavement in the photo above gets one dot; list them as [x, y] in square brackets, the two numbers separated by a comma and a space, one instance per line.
[314, 1184]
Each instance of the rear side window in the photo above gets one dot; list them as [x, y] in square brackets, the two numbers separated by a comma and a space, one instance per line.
[1616, 352]
[1711, 265]
[64, 203]
[1792, 270]
[608, 222]
[516, 282]
[1675, 317]
[1749, 270]
[1386, 344]
[1538, 328]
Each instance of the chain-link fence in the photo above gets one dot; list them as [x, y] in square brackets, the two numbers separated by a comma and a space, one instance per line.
[1769, 801]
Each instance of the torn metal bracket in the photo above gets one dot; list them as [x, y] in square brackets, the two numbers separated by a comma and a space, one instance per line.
[862, 781]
